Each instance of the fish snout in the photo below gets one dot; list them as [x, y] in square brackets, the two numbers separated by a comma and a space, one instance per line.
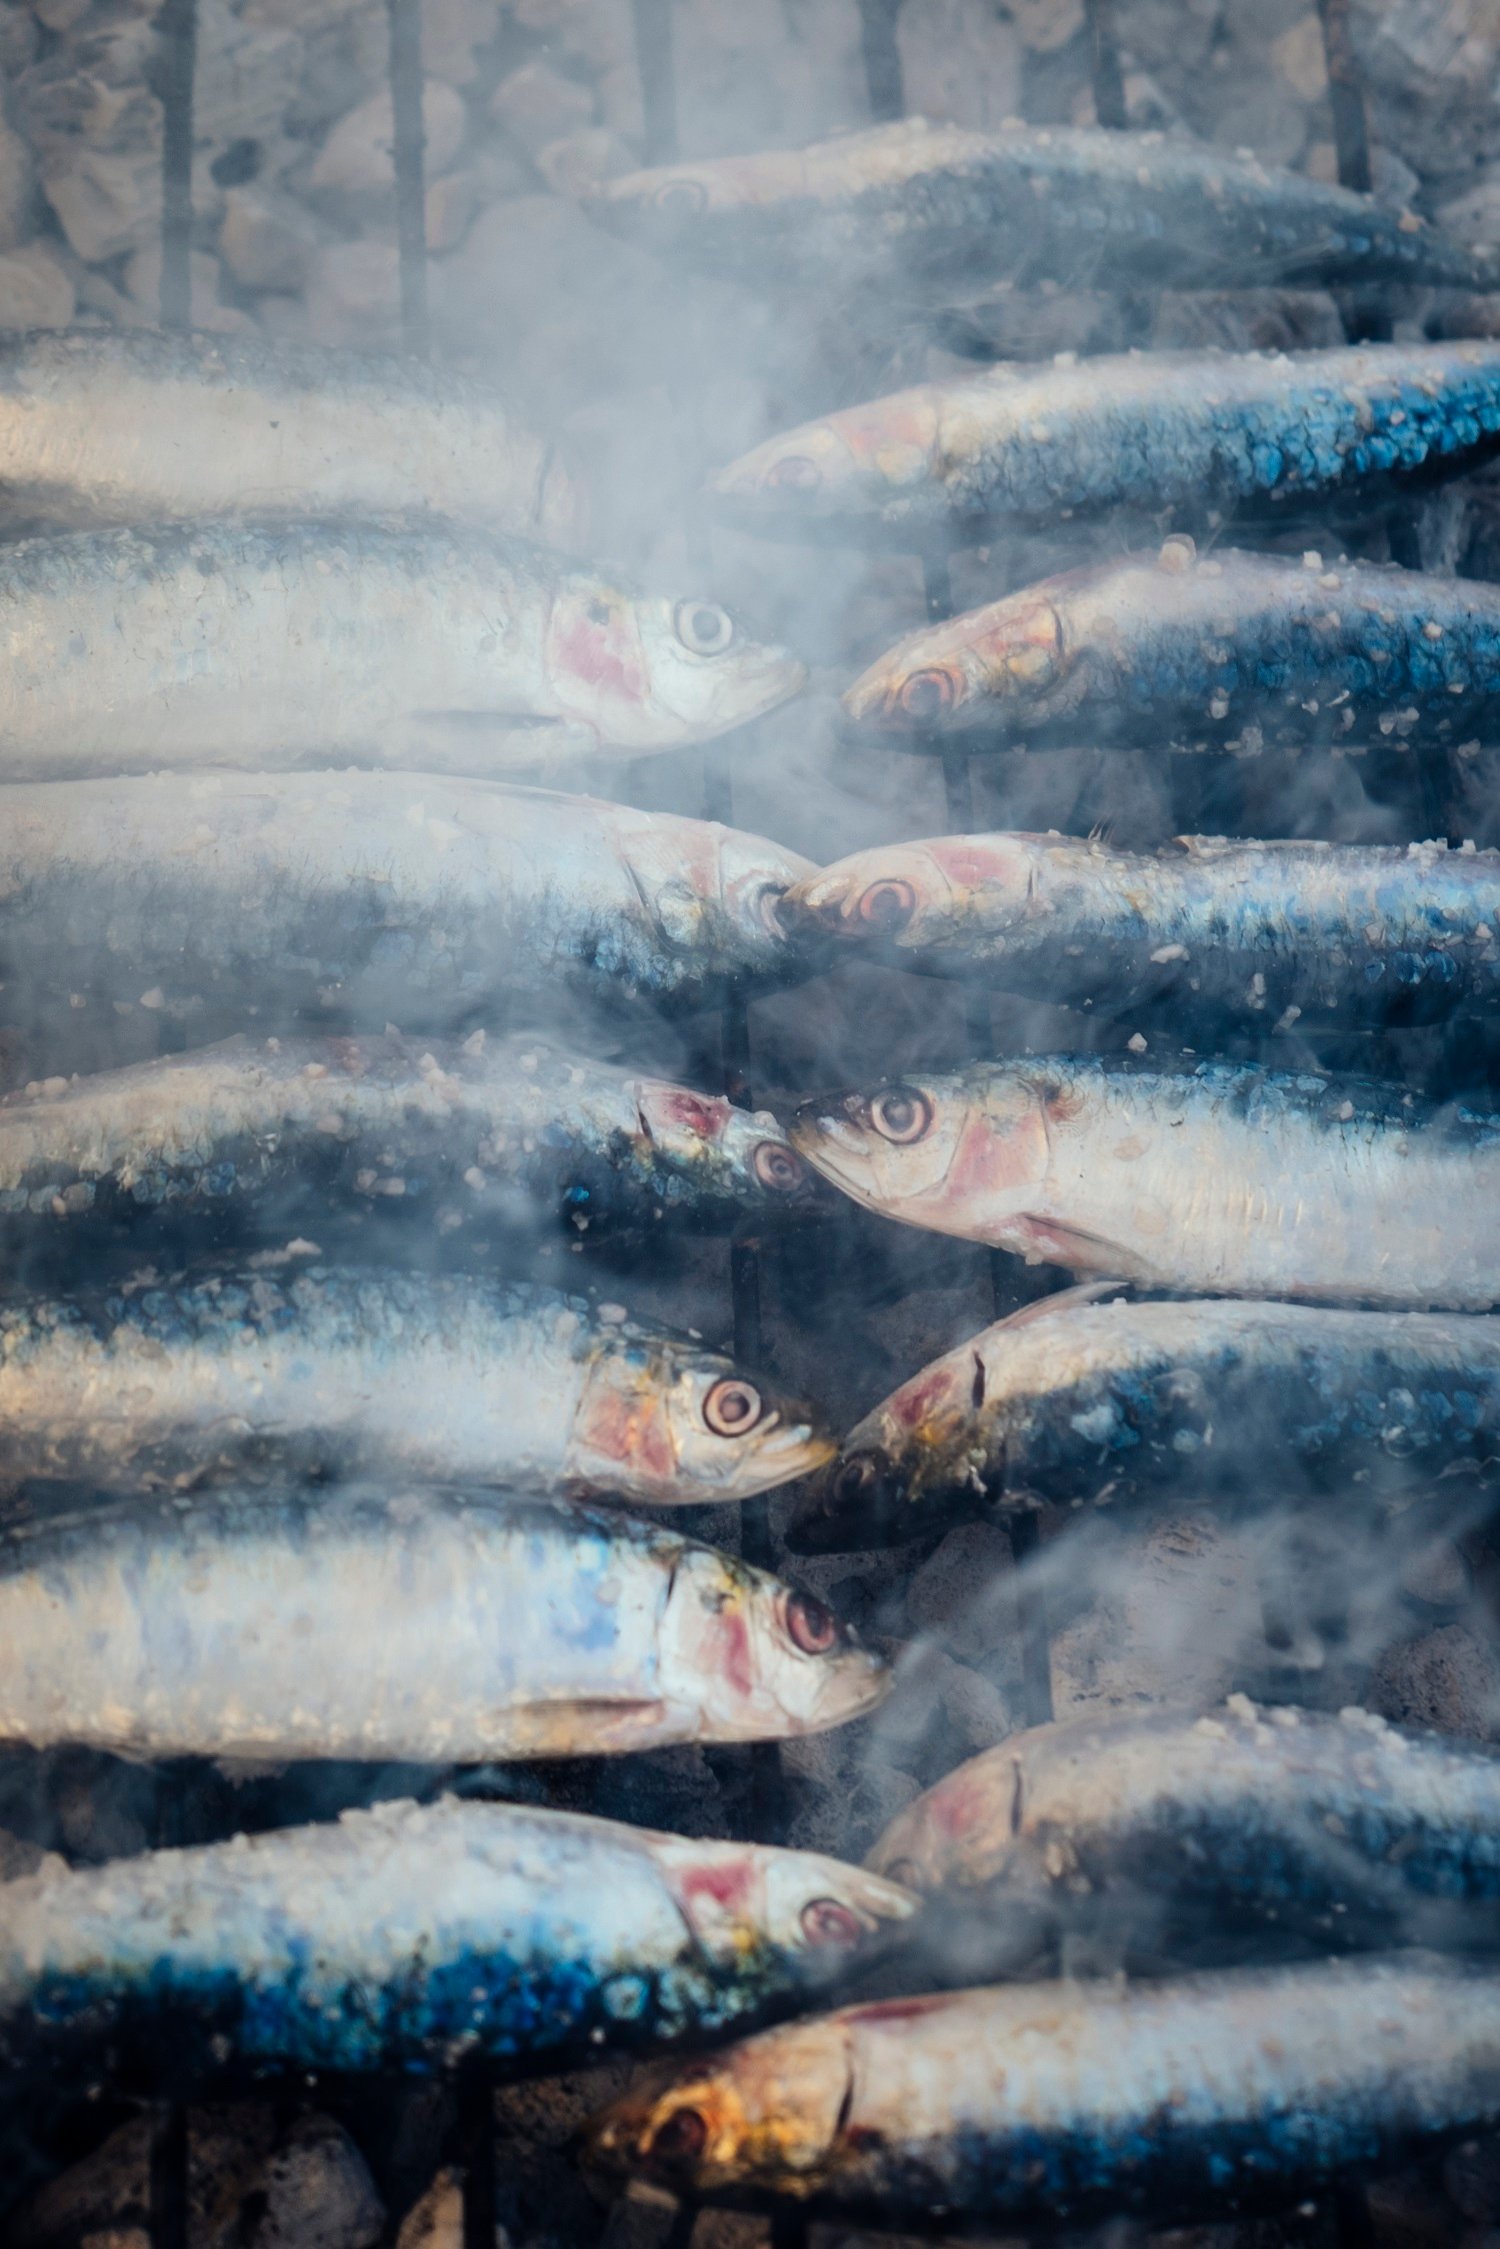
[853, 1506]
[829, 1121]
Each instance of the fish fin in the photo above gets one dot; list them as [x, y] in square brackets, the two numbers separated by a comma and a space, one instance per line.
[1061, 1300]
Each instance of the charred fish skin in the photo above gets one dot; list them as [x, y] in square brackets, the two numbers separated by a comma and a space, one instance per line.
[512, 1131]
[926, 209]
[1203, 432]
[457, 1378]
[1071, 2100]
[429, 1626]
[121, 425]
[409, 1937]
[1226, 651]
[1218, 1179]
[1092, 1403]
[389, 897]
[1332, 1827]
[1273, 932]
[302, 642]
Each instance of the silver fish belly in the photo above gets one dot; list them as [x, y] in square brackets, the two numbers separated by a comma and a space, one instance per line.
[1220, 1179]
[1151, 1825]
[430, 1626]
[1277, 933]
[438, 1931]
[120, 425]
[1145, 433]
[302, 643]
[509, 1131]
[399, 897]
[1075, 1401]
[455, 1378]
[1053, 2101]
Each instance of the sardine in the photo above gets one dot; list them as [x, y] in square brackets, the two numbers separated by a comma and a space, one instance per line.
[1342, 1830]
[400, 896]
[1223, 1178]
[308, 643]
[512, 1131]
[121, 425]
[449, 1378]
[431, 1626]
[1149, 432]
[1067, 2101]
[932, 211]
[408, 1937]
[1229, 651]
[1272, 932]
[1086, 1403]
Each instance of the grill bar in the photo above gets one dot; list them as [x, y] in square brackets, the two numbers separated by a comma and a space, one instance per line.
[177, 54]
[410, 160]
[1104, 61]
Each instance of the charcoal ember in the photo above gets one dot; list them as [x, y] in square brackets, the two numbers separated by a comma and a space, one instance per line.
[839, 1790]
[773, 76]
[1448, 1678]
[577, 162]
[1428, 47]
[538, 104]
[436, 2220]
[267, 239]
[1044, 26]
[107, 2194]
[542, 2199]
[315, 2192]
[1471, 2179]
[1174, 1615]
[965, 1592]
[357, 159]
[960, 62]
[1246, 320]
[454, 34]
[35, 288]
[353, 294]
[19, 1855]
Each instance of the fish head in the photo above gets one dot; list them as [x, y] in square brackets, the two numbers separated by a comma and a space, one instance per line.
[813, 1914]
[919, 897]
[855, 462]
[759, 1659]
[998, 665]
[739, 1157]
[646, 673]
[959, 1831]
[767, 2114]
[955, 1154]
[709, 894]
[662, 1421]
[683, 208]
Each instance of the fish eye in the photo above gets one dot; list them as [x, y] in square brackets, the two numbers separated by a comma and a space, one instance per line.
[901, 1116]
[927, 695]
[776, 1167]
[679, 2138]
[704, 627]
[680, 198]
[907, 1873]
[888, 905]
[810, 1625]
[794, 473]
[733, 1407]
[826, 1921]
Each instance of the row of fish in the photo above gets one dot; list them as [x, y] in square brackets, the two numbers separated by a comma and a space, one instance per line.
[461, 648]
[425, 898]
[411, 1936]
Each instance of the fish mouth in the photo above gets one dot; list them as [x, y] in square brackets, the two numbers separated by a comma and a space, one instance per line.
[762, 684]
[800, 1448]
[854, 1507]
[812, 912]
[832, 1132]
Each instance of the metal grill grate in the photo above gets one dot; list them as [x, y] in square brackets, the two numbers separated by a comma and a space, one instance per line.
[653, 27]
